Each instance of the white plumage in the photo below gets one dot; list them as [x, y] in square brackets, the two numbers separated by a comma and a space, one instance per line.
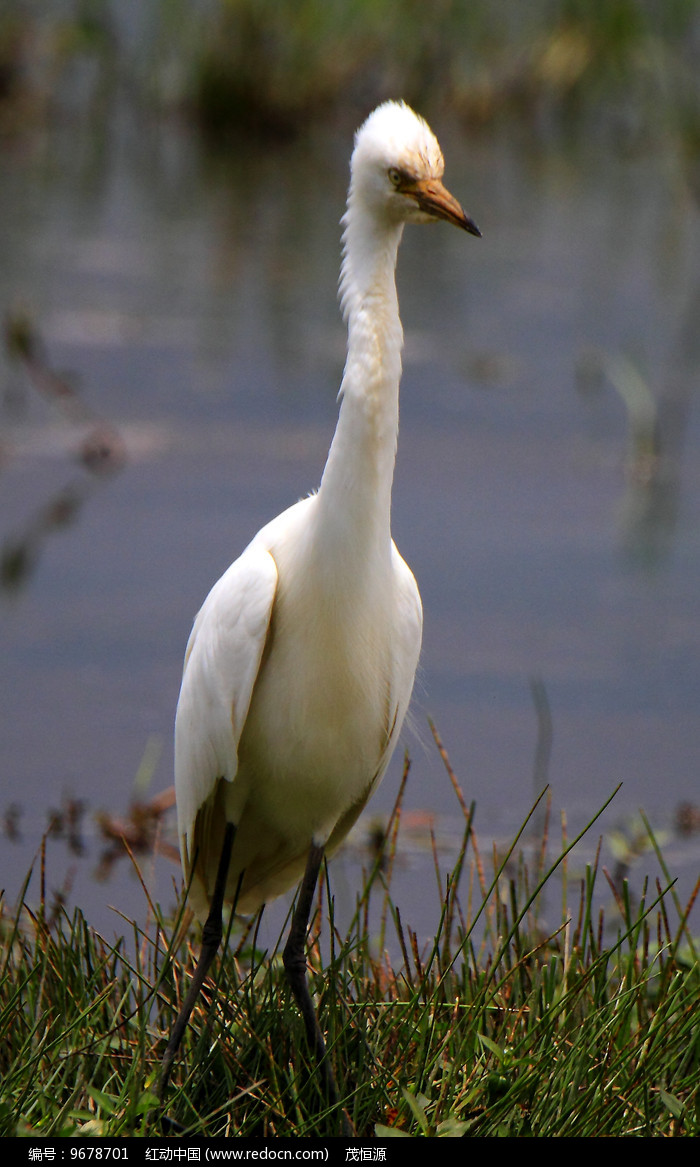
[300, 665]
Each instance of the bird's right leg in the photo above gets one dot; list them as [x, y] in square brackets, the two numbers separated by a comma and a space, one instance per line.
[294, 959]
[211, 939]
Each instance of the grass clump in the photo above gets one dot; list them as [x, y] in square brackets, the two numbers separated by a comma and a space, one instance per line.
[501, 1026]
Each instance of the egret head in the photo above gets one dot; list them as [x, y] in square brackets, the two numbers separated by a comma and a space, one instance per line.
[397, 169]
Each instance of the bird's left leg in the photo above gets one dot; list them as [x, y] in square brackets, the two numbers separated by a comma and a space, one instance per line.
[211, 939]
[294, 959]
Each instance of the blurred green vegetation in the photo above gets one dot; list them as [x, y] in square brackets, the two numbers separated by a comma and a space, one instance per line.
[625, 67]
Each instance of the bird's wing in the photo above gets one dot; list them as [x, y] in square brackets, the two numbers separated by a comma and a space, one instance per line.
[221, 664]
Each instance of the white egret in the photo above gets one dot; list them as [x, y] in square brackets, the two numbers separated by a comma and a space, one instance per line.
[300, 665]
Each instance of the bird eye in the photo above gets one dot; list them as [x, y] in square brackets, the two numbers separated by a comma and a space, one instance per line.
[395, 176]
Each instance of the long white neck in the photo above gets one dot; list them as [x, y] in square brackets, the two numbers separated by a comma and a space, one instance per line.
[354, 499]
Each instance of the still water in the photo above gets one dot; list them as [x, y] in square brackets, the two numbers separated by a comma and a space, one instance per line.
[547, 492]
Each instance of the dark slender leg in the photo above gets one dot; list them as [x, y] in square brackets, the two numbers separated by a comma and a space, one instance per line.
[211, 939]
[294, 958]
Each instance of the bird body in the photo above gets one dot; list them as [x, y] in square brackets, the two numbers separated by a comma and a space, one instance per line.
[300, 665]
[299, 668]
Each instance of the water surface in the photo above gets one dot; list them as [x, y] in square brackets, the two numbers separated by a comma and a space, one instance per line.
[193, 305]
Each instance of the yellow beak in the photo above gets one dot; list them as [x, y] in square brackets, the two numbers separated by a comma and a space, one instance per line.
[433, 198]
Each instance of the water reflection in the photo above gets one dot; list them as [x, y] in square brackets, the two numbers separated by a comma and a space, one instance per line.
[96, 444]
